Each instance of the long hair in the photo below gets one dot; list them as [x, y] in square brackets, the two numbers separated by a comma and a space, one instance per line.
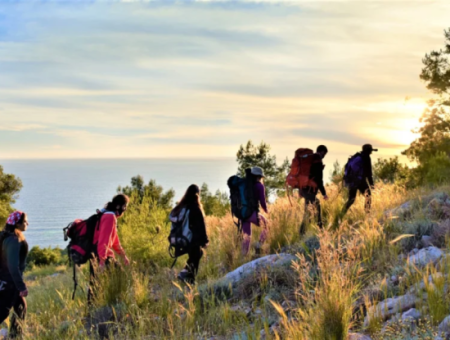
[190, 198]
[12, 228]
[119, 199]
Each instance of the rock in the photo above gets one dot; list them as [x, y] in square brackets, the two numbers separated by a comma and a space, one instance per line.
[389, 307]
[3, 334]
[411, 315]
[395, 280]
[444, 326]
[426, 256]
[358, 336]
[269, 261]
[401, 211]
[438, 338]
[426, 241]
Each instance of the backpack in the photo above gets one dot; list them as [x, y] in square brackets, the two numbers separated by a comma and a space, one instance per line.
[81, 247]
[299, 175]
[242, 197]
[180, 237]
[354, 171]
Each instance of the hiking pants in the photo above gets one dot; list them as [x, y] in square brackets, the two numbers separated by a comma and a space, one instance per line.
[10, 298]
[353, 191]
[255, 219]
[195, 254]
[93, 266]
[312, 204]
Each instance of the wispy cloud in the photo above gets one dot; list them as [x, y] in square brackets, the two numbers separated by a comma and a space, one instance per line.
[198, 78]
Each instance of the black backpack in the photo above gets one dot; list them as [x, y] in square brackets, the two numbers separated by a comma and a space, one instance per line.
[243, 197]
[81, 247]
[180, 237]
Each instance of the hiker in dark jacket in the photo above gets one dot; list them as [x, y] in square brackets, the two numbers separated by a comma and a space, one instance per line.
[191, 202]
[256, 218]
[309, 193]
[13, 252]
[363, 184]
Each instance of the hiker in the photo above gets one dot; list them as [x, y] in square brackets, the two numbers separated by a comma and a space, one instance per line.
[257, 176]
[106, 239]
[358, 177]
[191, 206]
[309, 192]
[13, 252]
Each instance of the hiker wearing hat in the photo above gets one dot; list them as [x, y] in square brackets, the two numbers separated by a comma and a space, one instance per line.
[309, 193]
[358, 177]
[257, 176]
[13, 253]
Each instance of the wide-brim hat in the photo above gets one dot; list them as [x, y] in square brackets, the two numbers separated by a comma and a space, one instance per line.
[257, 171]
[368, 147]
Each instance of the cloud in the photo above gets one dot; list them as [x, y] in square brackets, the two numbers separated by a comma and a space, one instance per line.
[199, 78]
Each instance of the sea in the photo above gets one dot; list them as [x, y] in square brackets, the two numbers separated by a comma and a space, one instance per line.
[57, 191]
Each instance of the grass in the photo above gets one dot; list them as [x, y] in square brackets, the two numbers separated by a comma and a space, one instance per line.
[325, 286]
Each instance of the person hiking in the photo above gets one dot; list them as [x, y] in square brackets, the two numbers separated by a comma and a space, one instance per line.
[13, 290]
[191, 206]
[309, 193]
[359, 177]
[257, 175]
[107, 240]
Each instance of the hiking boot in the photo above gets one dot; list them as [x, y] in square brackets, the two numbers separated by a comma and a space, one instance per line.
[186, 277]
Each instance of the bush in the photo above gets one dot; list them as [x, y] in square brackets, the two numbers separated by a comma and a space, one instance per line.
[214, 205]
[390, 170]
[45, 256]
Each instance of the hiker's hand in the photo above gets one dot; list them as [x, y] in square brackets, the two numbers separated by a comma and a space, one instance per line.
[126, 261]
[325, 198]
[101, 266]
[23, 293]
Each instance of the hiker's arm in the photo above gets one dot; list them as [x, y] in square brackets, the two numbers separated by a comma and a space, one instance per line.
[317, 175]
[117, 247]
[13, 262]
[107, 225]
[368, 171]
[200, 226]
[262, 197]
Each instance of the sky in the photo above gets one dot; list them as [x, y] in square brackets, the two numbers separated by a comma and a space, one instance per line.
[112, 79]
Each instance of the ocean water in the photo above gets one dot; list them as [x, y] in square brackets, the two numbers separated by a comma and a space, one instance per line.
[55, 192]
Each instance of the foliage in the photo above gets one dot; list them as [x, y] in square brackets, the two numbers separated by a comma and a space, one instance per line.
[144, 229]
[252, 155]
[9, 188]
[151, 192]
[390, 170]
[337, 174]
[438, 169]
[436, 72]
[45, 256]
[215, 205]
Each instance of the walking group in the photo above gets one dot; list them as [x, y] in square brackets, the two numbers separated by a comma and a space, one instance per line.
[96, 241]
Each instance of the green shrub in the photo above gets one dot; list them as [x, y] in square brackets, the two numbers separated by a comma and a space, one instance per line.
[45, 256]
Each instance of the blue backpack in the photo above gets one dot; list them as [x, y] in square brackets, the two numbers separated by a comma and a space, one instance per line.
[242, 197]
[354, 171]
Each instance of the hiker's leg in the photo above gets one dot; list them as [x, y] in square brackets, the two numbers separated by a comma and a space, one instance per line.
[247, 234]
[6, 303]
[18, 318]
[368, 200]
[318, 212]
[351, 199]
[92, 263]
[195, 254]
[309, 199]
[262, 222]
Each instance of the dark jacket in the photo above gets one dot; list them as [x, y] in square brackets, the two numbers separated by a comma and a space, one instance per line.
[197, 226]
[13, 261]
[367, 169]
[316, 173]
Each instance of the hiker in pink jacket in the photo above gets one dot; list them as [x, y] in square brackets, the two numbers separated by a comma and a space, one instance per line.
[106, 238]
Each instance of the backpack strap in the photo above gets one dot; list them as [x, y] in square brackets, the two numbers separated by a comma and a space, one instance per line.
[75, 282]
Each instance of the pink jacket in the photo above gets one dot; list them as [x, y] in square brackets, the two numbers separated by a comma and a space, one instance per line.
[106, 238]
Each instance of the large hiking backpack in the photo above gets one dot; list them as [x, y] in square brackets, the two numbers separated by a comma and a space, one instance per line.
[354, 171]
[180, 237]
[242, 197]
[81, 247]
[299, 175]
